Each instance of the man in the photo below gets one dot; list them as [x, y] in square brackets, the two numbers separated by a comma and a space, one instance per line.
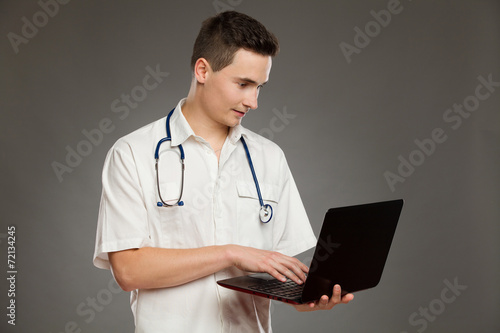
[170, 255]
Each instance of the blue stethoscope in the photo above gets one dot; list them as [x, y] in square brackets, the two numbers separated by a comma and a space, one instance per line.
[266, 211]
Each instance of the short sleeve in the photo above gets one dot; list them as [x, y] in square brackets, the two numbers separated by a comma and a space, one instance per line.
[293, 233]
[122, 222]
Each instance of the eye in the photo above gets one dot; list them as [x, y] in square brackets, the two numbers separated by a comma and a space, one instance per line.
[242, 85]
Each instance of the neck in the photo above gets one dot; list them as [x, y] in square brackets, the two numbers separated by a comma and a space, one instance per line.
[213, 132]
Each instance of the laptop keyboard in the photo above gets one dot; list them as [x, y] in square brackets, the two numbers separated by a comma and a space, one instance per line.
[287, 289]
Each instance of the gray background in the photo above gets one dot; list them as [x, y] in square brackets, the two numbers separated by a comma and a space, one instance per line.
[352, 120]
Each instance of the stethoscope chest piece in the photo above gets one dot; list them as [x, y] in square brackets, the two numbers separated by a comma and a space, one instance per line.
[266, 213]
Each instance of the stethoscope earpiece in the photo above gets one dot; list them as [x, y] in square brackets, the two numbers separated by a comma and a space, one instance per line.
[160, 204]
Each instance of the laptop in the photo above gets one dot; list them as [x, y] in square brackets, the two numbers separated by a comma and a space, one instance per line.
[351, 251]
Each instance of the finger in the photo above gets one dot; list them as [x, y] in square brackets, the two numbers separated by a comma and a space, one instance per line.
[277, 275]
[303, 267]
[292, 269]
[299, 268]
[323, 301]
[347, 298]
[273, 266]
[283, 273]
[282, 266]
[296, 274]
[337, 294]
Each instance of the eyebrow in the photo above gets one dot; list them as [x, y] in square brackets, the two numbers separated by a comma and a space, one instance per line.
[252, 81]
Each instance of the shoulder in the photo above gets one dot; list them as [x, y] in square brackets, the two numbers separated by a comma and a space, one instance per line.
[265, 151]
[143, 138]
[260, 141]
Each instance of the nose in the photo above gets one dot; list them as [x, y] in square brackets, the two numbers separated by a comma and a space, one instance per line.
[251, 99]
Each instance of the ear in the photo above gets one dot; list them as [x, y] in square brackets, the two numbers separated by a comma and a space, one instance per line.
[201, 70]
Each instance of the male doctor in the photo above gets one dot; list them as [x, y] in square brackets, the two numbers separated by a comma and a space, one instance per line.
[170, 257]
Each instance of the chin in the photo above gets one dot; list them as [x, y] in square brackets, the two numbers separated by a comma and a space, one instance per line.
[232, 123]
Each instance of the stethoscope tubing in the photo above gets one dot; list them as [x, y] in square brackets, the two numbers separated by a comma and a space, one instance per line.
[162, 202]
[249, 158]
[266, 210]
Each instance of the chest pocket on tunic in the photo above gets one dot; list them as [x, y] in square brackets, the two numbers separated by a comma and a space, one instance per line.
[250, 230]
[173, 224]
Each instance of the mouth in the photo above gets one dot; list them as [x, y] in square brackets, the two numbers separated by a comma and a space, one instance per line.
[239, 113]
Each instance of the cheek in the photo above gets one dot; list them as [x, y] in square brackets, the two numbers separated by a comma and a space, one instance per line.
[227, 93]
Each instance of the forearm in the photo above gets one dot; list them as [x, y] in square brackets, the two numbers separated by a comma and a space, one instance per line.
[148, 267]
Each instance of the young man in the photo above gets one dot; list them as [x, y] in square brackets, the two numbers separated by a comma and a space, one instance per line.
[170, 254]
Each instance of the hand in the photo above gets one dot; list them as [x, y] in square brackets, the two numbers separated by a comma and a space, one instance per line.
[324, 303]
[276, 264]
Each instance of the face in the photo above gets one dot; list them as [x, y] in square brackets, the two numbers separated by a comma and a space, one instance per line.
[231, 92]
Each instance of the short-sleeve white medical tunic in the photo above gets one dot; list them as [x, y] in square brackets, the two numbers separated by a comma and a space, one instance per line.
[221, 206]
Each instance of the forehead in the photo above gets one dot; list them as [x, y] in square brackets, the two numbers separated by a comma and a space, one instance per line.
[250, 65]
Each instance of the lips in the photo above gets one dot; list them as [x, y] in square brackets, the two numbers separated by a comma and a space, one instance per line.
[239, 113]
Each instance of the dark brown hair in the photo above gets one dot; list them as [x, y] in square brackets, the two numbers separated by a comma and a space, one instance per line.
[222, 35]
